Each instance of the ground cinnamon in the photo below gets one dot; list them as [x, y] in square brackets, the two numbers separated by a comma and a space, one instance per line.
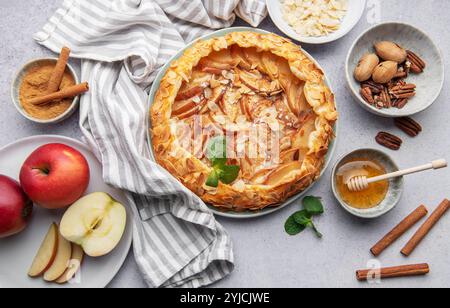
[394, 272]
[35, 84]
[399, 230]
[426, 228]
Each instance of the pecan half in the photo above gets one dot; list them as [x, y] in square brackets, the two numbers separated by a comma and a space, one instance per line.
[403, 91]
[389, 141]
[386, 98]
[401, 74]
[401, 103]
[409, 126]
[366, 93]
[376, 88]
[417, 64]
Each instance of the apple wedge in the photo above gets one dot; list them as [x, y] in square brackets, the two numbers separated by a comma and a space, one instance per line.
[180, 107]
[96, 222]
[61, 261]
[74, 264]
[189, 93]
[278, 175]
[46, 254]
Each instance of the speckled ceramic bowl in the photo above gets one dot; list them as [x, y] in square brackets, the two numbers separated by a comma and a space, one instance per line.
[15, 87]
[395, 185]
[429, 83]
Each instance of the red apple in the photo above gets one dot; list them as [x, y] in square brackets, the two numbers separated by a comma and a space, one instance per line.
[15, 207]
[55, 176]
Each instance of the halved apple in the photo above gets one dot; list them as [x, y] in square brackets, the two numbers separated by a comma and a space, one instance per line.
[61, 261]
[74, 264]
[46, 254]
[96, 222]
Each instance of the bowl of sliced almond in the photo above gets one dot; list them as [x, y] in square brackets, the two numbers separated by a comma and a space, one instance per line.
[395, 70]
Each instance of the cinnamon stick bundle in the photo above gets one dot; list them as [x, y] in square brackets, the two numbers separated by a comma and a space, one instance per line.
[58, 72]
[426, 228]
[399, 230]
[64, 93]
[394, 272]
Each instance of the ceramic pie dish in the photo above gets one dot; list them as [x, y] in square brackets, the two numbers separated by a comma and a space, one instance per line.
[244, 85]
[254, 89]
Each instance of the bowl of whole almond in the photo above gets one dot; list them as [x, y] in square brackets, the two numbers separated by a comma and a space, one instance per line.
[395, 70]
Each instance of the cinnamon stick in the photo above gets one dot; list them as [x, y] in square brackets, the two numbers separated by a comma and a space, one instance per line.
[64, 93]
[58, 72]
[394, 272]
[426, 228]
[399, 230]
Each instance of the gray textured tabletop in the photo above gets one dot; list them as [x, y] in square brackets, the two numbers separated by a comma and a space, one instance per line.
[265, 255]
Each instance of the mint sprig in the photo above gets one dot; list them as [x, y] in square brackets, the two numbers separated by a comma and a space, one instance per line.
[301, 220]
[217, 154]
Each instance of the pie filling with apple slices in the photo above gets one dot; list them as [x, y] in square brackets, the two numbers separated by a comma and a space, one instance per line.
[266, 98]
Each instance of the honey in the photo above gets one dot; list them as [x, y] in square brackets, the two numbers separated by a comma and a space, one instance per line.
[368, 198]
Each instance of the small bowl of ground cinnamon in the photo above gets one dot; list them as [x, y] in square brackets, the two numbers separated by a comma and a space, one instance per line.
[32, 81]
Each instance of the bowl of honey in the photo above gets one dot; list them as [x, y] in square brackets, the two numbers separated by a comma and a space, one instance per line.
[381, 197]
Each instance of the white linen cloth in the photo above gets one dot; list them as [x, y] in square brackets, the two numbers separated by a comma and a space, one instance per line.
[122, 44]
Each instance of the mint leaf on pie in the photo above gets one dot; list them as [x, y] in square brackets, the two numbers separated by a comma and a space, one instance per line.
[213, 179]
[216, 152]
[229, 174]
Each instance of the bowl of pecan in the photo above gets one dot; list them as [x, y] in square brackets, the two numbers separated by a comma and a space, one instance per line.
[395, 70]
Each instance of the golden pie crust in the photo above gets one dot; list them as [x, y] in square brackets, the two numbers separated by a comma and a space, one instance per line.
[232, 83]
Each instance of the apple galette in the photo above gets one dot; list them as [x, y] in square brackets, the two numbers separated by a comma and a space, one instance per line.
[244, 120]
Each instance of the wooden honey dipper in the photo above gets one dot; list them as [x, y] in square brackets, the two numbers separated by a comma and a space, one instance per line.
[361, 182]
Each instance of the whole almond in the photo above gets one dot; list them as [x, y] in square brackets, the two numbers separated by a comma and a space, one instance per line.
[366, 66]
[385, 72]
[390, 51]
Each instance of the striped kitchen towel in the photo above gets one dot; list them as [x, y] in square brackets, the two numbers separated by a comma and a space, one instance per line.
[122, 44]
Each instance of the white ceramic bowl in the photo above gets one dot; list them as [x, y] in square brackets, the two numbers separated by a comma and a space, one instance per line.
[15, 87]
[394, 194]
[355, 11]
[429, 83]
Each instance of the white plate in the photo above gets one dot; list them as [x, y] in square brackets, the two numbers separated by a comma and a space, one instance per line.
[248, 214]
[355, 11]
[17, 252]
